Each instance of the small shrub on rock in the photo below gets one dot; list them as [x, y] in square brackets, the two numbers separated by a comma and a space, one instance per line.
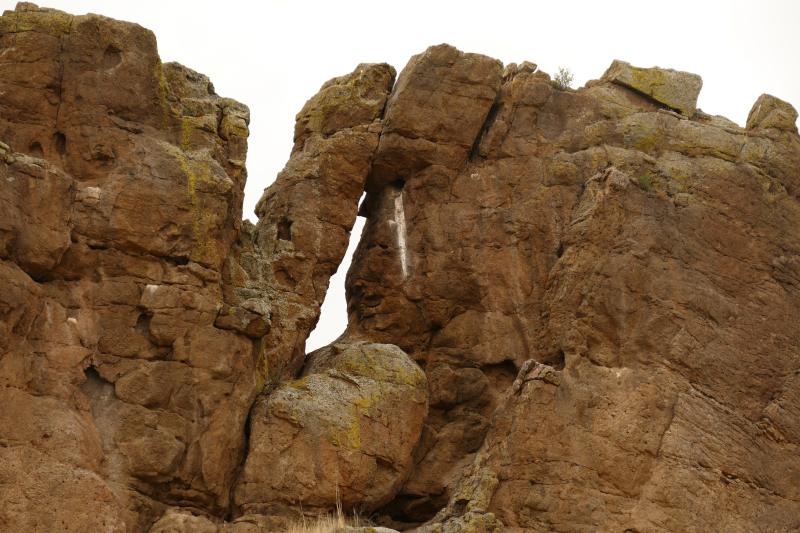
[562, 80]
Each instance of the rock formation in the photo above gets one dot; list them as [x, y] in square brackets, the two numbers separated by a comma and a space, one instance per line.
[569, 310]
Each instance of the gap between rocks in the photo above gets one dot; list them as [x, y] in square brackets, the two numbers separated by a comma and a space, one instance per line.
[333, 314]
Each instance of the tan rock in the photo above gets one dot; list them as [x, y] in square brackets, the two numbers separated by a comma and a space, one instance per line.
[32, 187]
[673, 88]
[177, 521]
[346, 430]
[771, 112]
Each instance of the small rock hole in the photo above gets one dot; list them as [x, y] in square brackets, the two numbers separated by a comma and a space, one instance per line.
[36, 150]
[143, 324]
[61, 143]
[112, 57]
[285, 230]
[560, 250]
[558, 364]
[501, 375]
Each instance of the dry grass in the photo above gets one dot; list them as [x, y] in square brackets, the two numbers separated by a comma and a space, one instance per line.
[325, 523]
[320, 524]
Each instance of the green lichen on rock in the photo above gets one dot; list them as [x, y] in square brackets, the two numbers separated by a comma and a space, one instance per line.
[206, 184]
[346, 101]
[30, 17]
[353, 419]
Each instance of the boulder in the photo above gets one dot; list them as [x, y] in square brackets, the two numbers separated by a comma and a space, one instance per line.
[345, 431]
[771, 112]
[673, 88]
[177, 521]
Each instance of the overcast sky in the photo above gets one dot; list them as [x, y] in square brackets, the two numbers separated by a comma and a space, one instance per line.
[274, 55]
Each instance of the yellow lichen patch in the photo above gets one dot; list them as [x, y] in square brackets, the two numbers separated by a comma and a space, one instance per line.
[186, 132]
[203, 221]
[347, 433]
[285, 411]
[377, 362]
[53, 21]
[647, 80]
[564, 171]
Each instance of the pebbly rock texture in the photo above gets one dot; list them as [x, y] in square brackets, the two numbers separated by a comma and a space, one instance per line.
[346, 430]
[569, 311]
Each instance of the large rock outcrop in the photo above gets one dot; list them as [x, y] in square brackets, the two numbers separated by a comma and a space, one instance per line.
[647, 257]
[569, 310]
[285, 262]
[122, 184]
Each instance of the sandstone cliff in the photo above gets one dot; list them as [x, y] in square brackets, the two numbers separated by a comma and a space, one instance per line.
[569, 311]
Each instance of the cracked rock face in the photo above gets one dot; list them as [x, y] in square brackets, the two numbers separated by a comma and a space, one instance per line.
[569, 310]
[644, 255]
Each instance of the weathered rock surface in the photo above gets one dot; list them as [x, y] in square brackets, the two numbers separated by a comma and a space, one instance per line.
[284, 263]
[347, 429]
[771, 112]
[673, 88]
[637, 252]
[120, 199]
[435, 111]
[601, 294]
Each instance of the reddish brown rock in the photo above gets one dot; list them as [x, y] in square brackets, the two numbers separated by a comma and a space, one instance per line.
[440, 102]
[636, 252]
[602, 293]
[281, 267]
[121, 194]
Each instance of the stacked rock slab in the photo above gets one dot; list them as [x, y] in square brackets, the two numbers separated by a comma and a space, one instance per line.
[675, 89]
[122, 185]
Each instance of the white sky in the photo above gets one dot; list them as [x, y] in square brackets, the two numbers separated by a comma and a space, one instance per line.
[274, 55]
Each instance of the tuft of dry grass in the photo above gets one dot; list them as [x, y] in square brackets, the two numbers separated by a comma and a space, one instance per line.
[327, 523]
[320, 524]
